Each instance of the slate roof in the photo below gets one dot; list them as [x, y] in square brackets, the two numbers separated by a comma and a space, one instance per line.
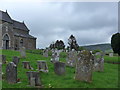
[24, 35]
[20, 25]
[5, 17]
[16, 24]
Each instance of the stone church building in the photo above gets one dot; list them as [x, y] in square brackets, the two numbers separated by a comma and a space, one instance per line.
[14, 34]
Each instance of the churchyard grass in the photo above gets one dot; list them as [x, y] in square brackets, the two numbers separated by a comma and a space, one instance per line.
[106, 79]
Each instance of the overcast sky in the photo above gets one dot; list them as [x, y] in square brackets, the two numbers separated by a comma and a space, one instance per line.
[89, 22]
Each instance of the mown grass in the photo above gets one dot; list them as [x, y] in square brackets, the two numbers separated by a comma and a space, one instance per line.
[106, 79]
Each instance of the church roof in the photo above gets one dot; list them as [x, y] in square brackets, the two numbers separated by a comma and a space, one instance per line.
[24, 35]
[19, 25]
[16, 24]
[5, 17]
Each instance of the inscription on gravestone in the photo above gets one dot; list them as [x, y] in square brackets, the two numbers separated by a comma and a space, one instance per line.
[84, 67]
[34, 78]
[22, 52]
[16, 60]
[42, 66]
[3, 57]
[71, 58]
[26, 65]
[11, 73]
[59, 68]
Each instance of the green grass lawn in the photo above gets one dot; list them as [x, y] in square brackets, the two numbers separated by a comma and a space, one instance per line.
[106, 79]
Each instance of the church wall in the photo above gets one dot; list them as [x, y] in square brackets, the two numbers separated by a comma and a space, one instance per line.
[20, 31]
[8, 29]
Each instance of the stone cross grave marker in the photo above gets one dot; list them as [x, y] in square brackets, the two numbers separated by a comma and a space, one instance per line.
[22, 52]
[26, 65]
[34, 78]
[16, 60]
[84, 66]
[59, 68]
[42, 66]
[11, 73]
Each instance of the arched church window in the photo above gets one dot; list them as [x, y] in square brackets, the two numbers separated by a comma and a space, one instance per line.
[21, 42]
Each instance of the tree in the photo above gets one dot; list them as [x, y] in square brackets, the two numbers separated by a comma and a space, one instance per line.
[73, 43]
[58, 44]
[115, 43]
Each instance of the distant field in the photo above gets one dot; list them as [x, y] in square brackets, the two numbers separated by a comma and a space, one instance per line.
[106, 79]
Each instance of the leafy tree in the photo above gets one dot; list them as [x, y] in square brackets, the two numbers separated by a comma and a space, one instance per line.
[115, 43]
[58, 44]
[73, 43]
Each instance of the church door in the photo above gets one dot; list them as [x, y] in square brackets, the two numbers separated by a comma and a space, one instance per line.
[6, 42]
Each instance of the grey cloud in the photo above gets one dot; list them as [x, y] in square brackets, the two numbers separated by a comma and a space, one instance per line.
[89, 22]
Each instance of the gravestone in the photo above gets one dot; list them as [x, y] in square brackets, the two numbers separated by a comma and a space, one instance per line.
[71, 58]
[11, 73]
[99, 64]
[26, 65]
[59, 68]
[3, 58]
[97, 53]
[34, 78]
[22, 52]
[0, 71]
[45, 53]
[110, 54]
[84, 66]
[42, 66]
[16, 60]
[55, 56]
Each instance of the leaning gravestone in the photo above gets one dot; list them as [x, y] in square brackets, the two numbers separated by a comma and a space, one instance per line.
[71, 58]
[110, 54]
[22, 52]
[42, 66]
[16, 60]
[34, 78]
[84, 67]
[45, 53]
[11, 73]
[59, 68]
[26, 65]
[3, 57]
[55, 56]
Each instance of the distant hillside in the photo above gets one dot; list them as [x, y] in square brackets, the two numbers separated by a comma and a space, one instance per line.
[102, 47]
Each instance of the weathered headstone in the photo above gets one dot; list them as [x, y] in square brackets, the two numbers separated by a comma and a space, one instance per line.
[99, 64]
[11, 73]
[59, 68]
[71, 58]
[84, 66]
[3, 57]
[22, 52]
[34, 78]
[97, 53]
[16, 60]
[110, 54]
[55, 56]
[42, 66]
[26, 65]
[45, 53]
